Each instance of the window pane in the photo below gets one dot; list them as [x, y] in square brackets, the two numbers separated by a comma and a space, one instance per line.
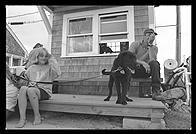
[114, 27]
[113, 18]
[8, 60]
[115, 47]
[80, 44]
[80, 26]
[113, 37]
[16, 62]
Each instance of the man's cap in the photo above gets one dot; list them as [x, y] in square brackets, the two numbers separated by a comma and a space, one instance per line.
[149, 30]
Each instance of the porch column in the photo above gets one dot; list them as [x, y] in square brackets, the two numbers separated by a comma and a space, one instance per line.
[48, 26]
[151, 17]
[11, 60]
[178, 35]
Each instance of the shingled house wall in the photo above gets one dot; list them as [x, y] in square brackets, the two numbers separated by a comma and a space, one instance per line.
[84, 67]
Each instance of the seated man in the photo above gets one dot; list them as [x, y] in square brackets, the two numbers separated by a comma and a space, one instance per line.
[148, 65]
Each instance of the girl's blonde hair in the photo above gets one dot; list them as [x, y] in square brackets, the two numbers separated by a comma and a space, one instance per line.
[34, 56]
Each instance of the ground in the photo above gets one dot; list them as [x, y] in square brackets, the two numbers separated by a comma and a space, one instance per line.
[67, 121]
[57, 120]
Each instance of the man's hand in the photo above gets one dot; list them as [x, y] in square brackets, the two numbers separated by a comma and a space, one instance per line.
[146, 66]
[152, 50]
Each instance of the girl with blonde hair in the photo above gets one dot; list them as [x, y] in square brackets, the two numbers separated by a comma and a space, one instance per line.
[43, 67]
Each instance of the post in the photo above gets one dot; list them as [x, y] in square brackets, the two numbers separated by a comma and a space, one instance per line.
[178, 35]
[46, 21]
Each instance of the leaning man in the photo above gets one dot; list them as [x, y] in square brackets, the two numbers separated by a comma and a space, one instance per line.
[148, 65]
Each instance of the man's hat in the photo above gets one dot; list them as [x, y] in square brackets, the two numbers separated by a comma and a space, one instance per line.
[149, 30]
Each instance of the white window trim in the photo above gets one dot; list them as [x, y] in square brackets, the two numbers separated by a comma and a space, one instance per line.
[12, 56]
[95, 28]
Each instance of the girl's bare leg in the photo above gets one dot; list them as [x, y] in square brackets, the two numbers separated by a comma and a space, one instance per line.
[22, 103]
[34, 96]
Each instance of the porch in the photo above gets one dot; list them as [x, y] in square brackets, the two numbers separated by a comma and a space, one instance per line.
[142, 113]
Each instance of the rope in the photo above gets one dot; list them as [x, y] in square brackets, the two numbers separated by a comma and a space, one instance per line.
[63, 83]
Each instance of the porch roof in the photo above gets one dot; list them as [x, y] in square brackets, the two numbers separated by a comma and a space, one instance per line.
[59, 8]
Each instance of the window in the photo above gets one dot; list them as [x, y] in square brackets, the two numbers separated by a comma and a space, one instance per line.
[16, 62]
[8, 60]
[97, 32]
[80, 35]
[113, 32]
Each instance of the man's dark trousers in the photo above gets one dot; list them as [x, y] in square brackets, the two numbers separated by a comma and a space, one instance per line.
[140, 72]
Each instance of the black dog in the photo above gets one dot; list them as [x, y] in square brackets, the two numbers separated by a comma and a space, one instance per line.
[104, 48]
[123, 67]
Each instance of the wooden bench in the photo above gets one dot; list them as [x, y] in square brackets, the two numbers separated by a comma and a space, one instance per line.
[142, 113]
[98, 86]
[144, 86]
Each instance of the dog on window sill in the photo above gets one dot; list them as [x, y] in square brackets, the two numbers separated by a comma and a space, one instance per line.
[105, 49]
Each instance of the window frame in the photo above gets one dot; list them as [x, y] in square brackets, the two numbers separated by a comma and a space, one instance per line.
[96, 28]
[13, 56]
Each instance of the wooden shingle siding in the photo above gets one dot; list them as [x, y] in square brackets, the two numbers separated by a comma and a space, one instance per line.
[57, 32]
[92, 88]
[139, 8]
[12, 46]
[58, 22]
[56, 44]
[141, 24]
[57, 27]
[141, 18]
[141, 12]
[57, 39]
[141, 21]
[57, 17]
[85, 67]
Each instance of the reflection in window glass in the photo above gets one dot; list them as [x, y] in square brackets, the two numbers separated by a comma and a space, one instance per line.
[113, 18]
[7, 60]
[16, 62]
[114, 27]
[80, 26]
[80, 44]
[114, 37]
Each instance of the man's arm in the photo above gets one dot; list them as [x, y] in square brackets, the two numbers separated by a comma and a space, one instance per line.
[133, 48]
[144, 64]
[144, 56]
[152, 51]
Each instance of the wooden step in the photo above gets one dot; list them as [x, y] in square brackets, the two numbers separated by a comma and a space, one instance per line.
[90, 104]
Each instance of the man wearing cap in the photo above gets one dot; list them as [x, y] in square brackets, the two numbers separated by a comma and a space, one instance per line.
[148, 65]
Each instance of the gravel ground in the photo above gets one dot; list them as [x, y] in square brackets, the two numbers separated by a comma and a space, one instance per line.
[177, 120]
[58, 120]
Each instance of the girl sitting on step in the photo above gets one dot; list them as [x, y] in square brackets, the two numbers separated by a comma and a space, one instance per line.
[44, 68]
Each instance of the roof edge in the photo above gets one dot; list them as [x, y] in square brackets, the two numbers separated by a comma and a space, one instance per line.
[16, 38]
